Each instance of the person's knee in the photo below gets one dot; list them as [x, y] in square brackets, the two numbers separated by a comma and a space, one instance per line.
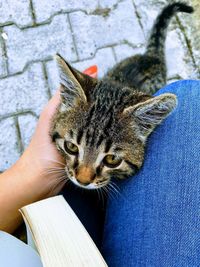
[182, 88]
[14, 253]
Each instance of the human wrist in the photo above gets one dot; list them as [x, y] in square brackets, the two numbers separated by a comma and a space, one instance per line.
[35, 173]
[17, 189]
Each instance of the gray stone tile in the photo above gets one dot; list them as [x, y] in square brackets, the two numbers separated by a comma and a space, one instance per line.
[26, 91]
[148, 11]
[15, 12]
[191, 25]
[176, 58]
[38, 43]
[3, 70]
[45, 9]
[94, 31]
[9, 151]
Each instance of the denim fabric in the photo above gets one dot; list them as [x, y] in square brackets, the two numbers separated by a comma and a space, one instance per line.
[156, 220]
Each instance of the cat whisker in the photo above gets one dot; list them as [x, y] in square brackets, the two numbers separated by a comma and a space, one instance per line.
[114, 188]
[101, 193]
[55, 161]
[117, 189]
[115, 185]
[54, 171]
[60, 181]
[111, 192]
[97, 190]
[56, 167]
[104, 195]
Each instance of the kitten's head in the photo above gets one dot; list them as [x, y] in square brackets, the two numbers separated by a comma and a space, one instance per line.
[101, 128]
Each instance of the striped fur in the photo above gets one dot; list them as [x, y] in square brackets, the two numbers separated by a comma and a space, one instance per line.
[115, 115]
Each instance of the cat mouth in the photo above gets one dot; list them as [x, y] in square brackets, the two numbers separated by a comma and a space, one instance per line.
[74, 181]
[90, 186]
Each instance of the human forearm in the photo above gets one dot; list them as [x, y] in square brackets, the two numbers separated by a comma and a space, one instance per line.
[31, 178]
[18, 188]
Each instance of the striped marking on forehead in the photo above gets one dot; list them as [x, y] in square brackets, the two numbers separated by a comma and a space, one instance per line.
[99, 130]
[79, 136]
[100, 119]
[93, 139]
[108, 145]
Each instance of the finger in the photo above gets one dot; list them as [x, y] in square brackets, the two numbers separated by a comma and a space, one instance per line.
[55, 100]
[52, 105]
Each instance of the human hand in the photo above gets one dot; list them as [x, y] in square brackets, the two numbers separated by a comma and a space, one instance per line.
[41, 161]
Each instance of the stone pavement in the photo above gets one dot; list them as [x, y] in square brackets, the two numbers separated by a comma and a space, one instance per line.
[85, 32]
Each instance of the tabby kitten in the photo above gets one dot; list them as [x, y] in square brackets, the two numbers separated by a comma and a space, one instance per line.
[101, 126]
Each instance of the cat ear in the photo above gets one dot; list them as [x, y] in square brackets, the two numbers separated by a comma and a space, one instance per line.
[150, 113]
[74, 84]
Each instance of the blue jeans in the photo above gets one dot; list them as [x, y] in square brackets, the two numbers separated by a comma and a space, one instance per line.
[155, 221]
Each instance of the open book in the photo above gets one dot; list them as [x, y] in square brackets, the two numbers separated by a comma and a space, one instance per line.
[59, 237]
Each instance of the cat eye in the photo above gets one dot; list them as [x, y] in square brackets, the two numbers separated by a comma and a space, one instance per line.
[70, 148]
[112, 161]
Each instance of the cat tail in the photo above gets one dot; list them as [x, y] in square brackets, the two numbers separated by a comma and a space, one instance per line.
[157, 37]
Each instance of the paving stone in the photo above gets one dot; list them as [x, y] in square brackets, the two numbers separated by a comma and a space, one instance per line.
[94, 31]
[191, 24]
[26, 91]
[148, 11]
[45, 9]
[3, 71]
[104, 59]
[107, 4]
[38, 43]
[9, 150]
[18, 12]
[176, 58]
[27, 124]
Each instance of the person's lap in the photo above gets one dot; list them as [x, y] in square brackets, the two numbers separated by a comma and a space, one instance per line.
[155, 221]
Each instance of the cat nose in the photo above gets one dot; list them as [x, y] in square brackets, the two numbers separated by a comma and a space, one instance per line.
[85, 175]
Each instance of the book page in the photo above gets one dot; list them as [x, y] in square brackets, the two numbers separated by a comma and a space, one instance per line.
[59, 236]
